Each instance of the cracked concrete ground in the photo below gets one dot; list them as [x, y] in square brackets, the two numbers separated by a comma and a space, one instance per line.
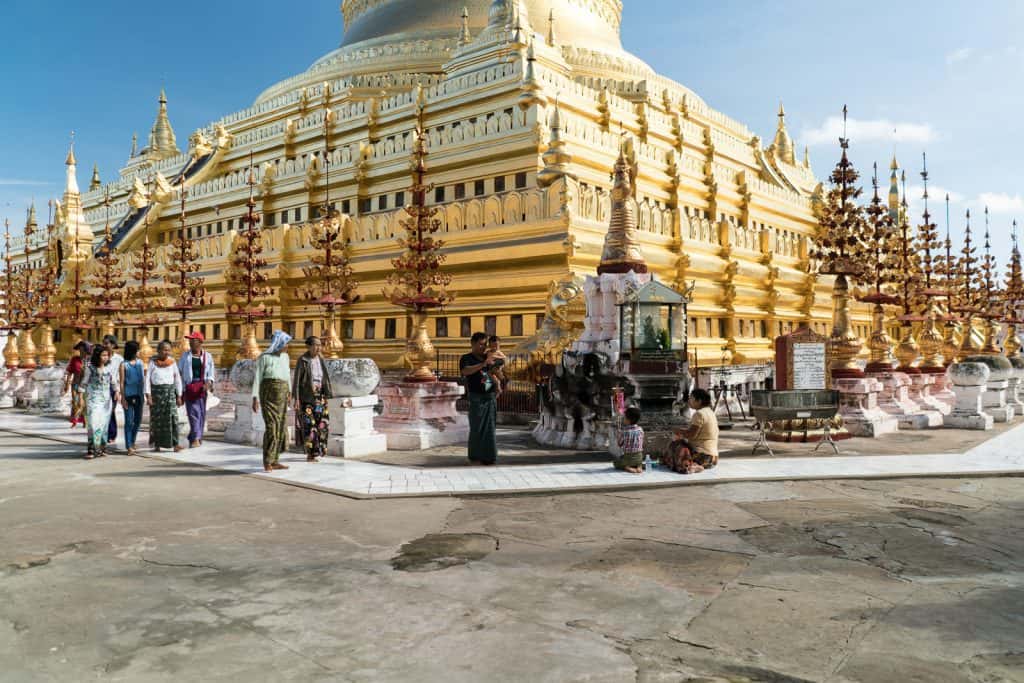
[129, 569]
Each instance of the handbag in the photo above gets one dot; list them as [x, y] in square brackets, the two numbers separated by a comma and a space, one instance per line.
[196, 389]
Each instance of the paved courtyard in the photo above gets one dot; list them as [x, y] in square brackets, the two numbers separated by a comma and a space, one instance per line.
[138, 569]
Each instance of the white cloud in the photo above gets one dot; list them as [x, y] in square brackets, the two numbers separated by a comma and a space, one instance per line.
[20, 181]
[936, 193]
[958, 55]
[872, 130]
[1000, 202]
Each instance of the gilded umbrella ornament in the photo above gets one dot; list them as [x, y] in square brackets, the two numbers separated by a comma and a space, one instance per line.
[329, 280]
[11, 357]
[950, 283]
[246, 281]
[839, 250]
[145, 299]
[190, 290]
[107, 279]
[968, 299]
[27, 300]
[418, 283]
[1014, 299]
[990, 298]
[907, 350]
[881, 244]
[929, 292]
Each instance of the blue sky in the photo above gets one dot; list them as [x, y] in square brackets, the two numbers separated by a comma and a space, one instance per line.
[947, 75]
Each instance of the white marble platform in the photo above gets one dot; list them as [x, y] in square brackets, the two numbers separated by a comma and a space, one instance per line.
[1001, 455]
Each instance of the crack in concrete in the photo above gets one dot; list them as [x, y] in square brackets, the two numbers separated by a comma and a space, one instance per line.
[689, 545]
[179, 564]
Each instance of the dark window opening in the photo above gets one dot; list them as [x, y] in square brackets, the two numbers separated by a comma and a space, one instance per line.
[465, 326]
[399, 200]
[268, 330]
[371, 329]
[438, 195]
[365, 205]
[348, 329]
[382, 202]
[460, 191]
[517, 326]
[499, 184]
[441, 327]
[390, 328]
[491, 325]
[307, 328]
[478, 188]
[520, 181]
[346, 206]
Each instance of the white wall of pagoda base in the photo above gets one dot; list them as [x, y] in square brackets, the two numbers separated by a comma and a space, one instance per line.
[421, 415]
[1014, 393]
[858, 407]
[921, 384]
[942, 391]
[969, 381]
[351, 428]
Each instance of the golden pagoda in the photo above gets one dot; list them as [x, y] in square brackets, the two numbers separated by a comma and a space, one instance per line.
[523, 118]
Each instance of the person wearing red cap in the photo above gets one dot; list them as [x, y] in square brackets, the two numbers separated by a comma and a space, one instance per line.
[197, 372]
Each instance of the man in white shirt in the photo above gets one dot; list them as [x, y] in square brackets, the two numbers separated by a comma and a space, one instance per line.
[197, 373]
[111, 345]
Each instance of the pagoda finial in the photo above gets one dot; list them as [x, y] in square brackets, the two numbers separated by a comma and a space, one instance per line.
[464, 35]
[135, 146]
[95, 183]
[30, 221]
[807, 157]
[162, 143]
[552, 39]
[70, 160]
[556, 158]
[783, 144]
[621, 253]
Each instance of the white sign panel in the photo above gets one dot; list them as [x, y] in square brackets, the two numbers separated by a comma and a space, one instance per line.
[809, 366]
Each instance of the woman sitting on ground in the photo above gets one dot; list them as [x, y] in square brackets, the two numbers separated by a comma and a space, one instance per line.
[695, 448]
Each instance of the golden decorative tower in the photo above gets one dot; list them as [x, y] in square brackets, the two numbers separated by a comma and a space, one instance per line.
[840, 247]
[45, 290]
[190, 291]
[11, 357]
[329, 280]
[26, 318]
[907, 350]
[951, 320]
[246, 283]
[1014, 300]
[162, 143]
[108, 279]
[881, 247]
[144, 299]
[621, 252]
[969, 299]
[930, 340]
[991, 299]
[418, 284]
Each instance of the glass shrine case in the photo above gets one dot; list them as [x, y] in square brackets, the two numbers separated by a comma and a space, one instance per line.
[652, 323]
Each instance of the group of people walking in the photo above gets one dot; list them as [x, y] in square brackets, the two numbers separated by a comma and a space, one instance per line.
[99, 379]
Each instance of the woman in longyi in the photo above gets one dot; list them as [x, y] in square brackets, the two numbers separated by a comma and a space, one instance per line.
[271, 393]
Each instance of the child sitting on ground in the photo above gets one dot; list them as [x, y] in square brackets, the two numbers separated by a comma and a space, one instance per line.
[695, 448]
[631, 444]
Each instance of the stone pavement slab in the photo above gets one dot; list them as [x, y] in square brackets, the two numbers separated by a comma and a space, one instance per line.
[1002, 455]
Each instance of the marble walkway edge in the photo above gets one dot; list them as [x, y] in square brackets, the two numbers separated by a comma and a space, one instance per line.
[1002, 455]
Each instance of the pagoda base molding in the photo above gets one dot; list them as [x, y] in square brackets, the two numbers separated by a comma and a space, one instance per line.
[27, 392]
[9, 385]
[48, 384]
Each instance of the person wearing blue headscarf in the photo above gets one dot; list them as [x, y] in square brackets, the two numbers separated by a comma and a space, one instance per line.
[271, 394]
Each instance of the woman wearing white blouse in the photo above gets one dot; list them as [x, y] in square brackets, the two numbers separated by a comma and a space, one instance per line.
[163, 396]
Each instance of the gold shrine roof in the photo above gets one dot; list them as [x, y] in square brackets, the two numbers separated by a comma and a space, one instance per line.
[420, 36]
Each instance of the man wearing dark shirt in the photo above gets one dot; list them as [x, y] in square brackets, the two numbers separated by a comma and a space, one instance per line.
[483, 406]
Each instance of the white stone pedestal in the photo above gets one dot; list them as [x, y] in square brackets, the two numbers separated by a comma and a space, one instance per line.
[858, 406]
[8, 388]
[920, 393]
[1014, 390]
[420, 415]
[994, 402]
[351, 428]
[969, 381]
[48, 385]
[27, 392]
[942, 391]
[894, 399]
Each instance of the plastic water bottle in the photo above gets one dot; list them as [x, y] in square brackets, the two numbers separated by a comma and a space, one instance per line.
[648, 463]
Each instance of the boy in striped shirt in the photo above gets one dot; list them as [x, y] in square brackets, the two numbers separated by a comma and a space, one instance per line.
[631, 444]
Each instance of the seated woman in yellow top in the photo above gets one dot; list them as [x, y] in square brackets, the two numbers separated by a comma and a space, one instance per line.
[695, 448]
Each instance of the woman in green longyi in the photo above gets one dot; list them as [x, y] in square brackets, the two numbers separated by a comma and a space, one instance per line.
[271, 392]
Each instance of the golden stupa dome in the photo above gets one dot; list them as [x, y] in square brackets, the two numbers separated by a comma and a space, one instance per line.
[392, 37]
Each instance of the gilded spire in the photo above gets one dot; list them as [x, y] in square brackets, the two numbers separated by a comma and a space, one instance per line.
[783, 143]
[135, 146]
[556, 158]
[464, 35]
[71, 181]
[95, 183]
[894, 189]
[552, 38]
[533, 92]
[162, 143]
[807, 157]
[31, 223]
[621, 253]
